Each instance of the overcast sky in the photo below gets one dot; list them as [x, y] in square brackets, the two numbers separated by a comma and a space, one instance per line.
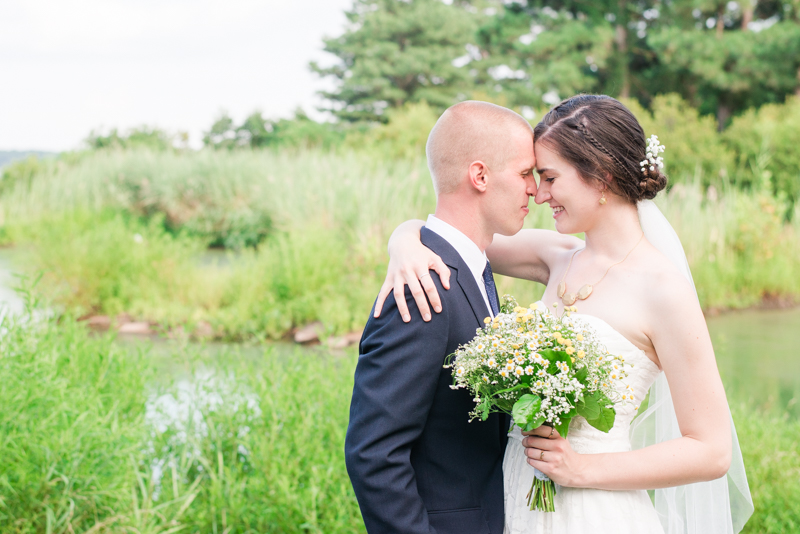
[70, 66]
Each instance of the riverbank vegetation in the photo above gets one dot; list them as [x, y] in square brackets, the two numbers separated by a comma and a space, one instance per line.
[96, 439]
[256, 243]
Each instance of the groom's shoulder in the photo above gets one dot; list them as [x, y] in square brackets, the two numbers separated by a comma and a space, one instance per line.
[440, 246]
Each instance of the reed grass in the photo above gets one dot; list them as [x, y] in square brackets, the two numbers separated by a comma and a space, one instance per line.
[123, 231]
[102, 437]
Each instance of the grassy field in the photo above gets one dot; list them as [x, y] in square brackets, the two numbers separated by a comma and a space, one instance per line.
[305, 234]
[96, 439]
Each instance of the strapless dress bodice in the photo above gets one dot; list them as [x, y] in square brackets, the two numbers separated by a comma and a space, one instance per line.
[581, 510]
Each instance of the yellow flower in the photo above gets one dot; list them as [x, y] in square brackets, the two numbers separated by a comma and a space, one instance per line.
[519, 319]
[570, 350]
[487, 320]
[581, 354]
[579, 337]
[573, 360]
[494, 325]
[569, 342]
[520, 329]
[534, 306]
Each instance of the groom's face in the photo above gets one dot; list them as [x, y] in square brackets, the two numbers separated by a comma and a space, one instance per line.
[509, 189]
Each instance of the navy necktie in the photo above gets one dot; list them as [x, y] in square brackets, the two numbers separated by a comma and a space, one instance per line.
[491, 290]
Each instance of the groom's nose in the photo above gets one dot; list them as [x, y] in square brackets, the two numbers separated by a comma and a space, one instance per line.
[532, 187]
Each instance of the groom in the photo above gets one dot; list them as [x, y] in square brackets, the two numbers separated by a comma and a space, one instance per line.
[416, 464]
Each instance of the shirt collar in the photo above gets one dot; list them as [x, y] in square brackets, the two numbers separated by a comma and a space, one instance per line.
[466, 247]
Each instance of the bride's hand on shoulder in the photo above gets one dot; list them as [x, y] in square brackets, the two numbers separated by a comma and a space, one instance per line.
[409, 264]
[551, 454]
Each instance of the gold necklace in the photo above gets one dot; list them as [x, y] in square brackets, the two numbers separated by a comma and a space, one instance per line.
[583, 293]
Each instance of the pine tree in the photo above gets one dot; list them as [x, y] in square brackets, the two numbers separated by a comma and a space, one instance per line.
[398, 51]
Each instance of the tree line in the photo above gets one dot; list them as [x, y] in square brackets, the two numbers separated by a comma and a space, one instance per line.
[721, 56]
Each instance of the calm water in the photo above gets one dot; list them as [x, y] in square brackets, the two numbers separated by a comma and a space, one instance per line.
[758, 353]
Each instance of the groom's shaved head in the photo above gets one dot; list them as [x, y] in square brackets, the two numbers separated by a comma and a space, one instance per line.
[467, 132]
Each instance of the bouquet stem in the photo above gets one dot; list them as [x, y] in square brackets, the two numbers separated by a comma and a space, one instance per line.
[542, 494]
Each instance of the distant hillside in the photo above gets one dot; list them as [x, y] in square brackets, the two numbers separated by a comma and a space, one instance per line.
[8, 156]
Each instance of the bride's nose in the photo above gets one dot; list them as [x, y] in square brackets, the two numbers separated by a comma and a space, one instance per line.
[542, 195]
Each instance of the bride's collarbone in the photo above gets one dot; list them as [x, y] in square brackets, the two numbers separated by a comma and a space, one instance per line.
[617, 305]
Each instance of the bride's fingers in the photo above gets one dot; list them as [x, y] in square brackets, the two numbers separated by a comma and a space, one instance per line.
[400, 299]
[442, 270]
[386, 288]
[415, 285]
[543, 444]
[540, 465]
[543, 432]
[430, 290]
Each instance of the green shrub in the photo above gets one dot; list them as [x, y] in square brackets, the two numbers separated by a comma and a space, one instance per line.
[403, 135]
[765, 141]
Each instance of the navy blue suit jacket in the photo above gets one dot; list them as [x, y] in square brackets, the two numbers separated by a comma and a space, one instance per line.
[416, 463]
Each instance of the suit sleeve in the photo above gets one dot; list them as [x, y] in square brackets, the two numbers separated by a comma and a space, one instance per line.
[395, 383]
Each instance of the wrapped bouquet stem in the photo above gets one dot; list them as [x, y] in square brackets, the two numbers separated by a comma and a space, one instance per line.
[542, 369]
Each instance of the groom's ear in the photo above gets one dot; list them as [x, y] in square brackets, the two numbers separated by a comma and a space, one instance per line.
[478, 175]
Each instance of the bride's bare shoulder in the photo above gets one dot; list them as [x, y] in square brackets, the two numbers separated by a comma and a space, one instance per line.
[669, 293]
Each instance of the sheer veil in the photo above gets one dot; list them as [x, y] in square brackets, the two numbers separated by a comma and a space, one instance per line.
[720, 506]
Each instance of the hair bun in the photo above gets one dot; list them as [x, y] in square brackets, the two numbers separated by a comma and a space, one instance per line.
[651, 184]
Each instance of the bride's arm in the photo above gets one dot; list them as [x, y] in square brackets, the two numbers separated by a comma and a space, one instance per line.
[684, 349]
[527, 255]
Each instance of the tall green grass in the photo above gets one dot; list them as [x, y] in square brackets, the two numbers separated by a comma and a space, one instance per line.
[123, 231]
[103, 438]
[95, 439]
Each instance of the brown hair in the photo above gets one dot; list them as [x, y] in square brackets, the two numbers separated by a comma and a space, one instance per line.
[603, 140]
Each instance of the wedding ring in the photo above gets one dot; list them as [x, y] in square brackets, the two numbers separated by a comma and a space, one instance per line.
[424, 275]
[552, 431]
[541, 457]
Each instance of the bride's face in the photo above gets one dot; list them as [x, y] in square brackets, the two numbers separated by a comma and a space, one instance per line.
[575, 203]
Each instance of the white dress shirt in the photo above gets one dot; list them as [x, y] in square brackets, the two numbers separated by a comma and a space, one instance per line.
[466, 248]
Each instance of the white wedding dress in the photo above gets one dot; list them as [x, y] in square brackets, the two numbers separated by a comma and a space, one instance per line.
[579, 510]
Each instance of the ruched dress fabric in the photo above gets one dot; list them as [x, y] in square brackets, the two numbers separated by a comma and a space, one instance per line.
[579, 510]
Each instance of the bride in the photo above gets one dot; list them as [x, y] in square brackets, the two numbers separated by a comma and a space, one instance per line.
[630, 281]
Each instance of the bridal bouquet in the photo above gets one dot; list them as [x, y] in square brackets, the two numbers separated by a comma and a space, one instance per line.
[542, 369]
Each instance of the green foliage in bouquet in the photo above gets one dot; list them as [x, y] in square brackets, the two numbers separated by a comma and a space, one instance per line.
[542, 369]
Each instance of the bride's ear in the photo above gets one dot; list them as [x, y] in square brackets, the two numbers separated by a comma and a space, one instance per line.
[478, 175]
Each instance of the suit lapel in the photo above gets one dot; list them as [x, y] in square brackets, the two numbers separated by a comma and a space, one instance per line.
[463, 275]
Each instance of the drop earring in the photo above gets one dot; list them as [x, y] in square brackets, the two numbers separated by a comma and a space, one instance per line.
[603, 198]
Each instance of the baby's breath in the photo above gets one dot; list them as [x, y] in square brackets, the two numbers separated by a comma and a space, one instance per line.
[533, 351]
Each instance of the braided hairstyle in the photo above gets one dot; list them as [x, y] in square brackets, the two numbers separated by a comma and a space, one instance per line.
[602, 139]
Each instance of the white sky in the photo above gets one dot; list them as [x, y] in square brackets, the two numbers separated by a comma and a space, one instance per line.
[70, 66]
